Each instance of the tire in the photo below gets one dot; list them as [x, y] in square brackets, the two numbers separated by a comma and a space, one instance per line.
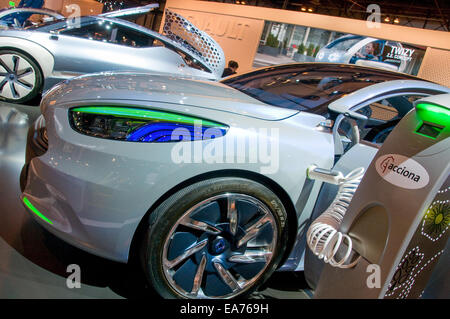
[218, 249]
[20, 77]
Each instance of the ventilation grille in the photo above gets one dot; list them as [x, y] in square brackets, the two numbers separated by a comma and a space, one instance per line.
[435, 66]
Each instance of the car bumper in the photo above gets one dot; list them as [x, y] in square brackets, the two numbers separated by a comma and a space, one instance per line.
[87, 212]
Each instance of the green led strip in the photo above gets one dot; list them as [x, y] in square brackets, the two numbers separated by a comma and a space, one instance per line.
[433, 114]
[144, 115]
[34, 210]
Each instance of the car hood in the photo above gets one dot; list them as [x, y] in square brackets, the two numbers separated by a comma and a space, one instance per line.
[161, 88]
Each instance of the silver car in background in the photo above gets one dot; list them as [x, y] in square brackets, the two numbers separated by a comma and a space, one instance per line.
[34, 59]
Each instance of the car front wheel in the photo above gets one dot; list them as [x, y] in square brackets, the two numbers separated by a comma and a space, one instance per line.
[20, 77]
[219, 238]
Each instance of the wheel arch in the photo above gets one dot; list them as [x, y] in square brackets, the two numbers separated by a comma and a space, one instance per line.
[262, 179]
[41, 56]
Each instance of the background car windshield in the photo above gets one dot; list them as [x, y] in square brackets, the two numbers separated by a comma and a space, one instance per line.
[345, 43]
[307, 87]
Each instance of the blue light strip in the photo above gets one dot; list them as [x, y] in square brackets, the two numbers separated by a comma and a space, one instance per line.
[166, 132]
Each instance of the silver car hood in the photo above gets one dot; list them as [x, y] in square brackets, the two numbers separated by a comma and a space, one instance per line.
[126, 86]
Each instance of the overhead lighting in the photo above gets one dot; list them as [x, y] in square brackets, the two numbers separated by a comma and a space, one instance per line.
[310, 10]
[396, 20]
[303, 9]
[387, 19]
[243, 2]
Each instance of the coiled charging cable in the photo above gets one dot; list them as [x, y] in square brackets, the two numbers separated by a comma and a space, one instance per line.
[323, 237]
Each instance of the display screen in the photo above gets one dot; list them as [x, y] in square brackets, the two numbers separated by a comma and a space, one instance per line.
[429, 130]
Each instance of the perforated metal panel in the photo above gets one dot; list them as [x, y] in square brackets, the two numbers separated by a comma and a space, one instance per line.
[435, 66]
[198, 42]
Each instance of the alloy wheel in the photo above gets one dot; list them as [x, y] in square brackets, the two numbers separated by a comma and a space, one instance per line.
[17, 77]
[220, 247]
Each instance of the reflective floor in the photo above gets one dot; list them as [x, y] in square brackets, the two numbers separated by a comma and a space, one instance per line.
[33, 262]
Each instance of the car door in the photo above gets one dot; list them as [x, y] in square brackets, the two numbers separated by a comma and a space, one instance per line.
[99, 44]
[384, 105]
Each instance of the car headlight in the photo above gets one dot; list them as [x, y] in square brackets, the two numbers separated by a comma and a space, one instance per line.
[142, 125]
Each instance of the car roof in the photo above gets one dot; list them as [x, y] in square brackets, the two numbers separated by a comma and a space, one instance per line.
[323, 66]
[309, 87]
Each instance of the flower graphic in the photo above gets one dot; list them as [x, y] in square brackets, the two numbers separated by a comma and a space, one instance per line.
[437, 219]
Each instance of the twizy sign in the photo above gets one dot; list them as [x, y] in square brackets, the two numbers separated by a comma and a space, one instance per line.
[402, 171]
[400, 53]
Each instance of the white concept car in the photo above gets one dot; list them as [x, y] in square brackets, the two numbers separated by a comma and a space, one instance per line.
[205, 181]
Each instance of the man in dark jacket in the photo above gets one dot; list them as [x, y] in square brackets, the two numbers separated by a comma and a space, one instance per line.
[23, 16]
[232, 67]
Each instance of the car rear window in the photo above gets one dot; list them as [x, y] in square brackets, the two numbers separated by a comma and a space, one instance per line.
[307, 87]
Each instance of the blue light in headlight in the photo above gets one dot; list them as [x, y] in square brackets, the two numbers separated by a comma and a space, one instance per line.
[167, 132]
[143, 125]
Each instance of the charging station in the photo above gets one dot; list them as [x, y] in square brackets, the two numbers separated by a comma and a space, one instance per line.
[398, 218]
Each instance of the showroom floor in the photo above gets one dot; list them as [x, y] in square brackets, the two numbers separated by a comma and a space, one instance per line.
[33, 262]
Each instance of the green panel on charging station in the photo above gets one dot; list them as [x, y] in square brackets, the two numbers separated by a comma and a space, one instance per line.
[434, 119]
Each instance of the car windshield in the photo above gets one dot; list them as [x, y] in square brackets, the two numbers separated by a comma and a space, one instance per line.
[344, 43]
[308, 87]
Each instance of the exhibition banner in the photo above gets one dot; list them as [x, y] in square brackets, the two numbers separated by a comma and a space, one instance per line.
[287, 43]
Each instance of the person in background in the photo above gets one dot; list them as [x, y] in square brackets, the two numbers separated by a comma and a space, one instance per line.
[232, 67]
[369, 52]
[21, 17]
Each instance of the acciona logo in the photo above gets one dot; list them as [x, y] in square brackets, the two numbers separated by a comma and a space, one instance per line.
[402, 171]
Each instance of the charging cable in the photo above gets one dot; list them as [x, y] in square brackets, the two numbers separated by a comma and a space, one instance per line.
[323, 237]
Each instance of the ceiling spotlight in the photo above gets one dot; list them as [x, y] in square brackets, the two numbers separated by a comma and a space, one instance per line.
[303, 9]
[396, 20]
[237, 2]
[310, 10]
[387, 19]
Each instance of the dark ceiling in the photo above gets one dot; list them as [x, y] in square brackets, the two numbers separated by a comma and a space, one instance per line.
[428, 14]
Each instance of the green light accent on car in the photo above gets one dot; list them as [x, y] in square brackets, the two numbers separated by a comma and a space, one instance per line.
[433, 113]
[12, 4]
[140, 114]
[34, 210]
